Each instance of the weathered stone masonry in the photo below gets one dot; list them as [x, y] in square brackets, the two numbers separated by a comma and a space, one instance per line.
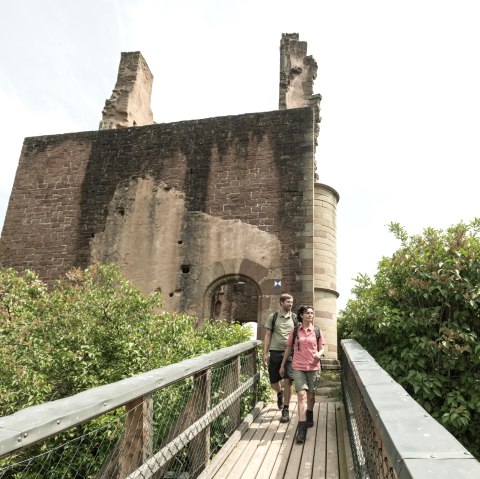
[200, 210]
[93, 196]
[129, 104]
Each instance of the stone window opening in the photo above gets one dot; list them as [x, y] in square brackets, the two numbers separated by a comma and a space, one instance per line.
[235, 299]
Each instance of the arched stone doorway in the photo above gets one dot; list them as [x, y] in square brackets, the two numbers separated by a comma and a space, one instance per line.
[234, 298]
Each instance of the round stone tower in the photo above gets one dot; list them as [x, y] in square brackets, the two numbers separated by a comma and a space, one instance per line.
[325, 264]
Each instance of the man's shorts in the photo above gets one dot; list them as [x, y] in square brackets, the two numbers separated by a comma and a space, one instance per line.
[274, 364]
[305, 380]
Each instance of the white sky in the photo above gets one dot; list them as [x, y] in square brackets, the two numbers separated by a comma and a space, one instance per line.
[400, 83]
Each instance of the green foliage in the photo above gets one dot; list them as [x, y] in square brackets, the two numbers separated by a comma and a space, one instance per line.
[92, 328]
[419, 318]
[264, 388]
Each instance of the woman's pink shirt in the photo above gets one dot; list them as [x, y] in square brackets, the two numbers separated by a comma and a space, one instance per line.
[304, 359]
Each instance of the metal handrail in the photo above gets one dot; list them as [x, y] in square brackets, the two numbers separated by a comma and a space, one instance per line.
[392, 435]
[36, 423]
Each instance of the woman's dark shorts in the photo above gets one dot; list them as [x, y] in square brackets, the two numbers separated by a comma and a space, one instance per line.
[274, 364]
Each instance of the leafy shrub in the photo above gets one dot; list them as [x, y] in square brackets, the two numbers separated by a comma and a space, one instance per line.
[98, 327]
[419, 318]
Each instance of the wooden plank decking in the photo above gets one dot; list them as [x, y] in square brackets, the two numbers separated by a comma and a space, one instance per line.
[267, 449]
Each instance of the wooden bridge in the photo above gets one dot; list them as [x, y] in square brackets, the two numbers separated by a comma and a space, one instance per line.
[201, 418]
[267, 449]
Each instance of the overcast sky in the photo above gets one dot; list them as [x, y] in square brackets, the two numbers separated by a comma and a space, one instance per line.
[400, 83]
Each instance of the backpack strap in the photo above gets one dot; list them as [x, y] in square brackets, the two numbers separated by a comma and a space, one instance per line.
[295, 333]
[318, 334]
[275, 316]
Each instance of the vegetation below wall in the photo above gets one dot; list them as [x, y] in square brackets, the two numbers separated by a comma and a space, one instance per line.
[92, 328]
[419, 317]
[97, 326]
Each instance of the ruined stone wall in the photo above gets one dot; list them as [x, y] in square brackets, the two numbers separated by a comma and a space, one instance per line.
[179, 206]
[43, 218]
[213, 213]
[297, 74]
[129, 104]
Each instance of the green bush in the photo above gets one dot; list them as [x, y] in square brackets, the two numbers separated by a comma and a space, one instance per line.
[92, 328]
[419, 318]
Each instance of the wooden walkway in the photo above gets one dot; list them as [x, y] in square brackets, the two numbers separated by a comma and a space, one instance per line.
[266, 448]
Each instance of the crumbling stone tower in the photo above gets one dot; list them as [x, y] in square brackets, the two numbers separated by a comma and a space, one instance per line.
[220, 215]
[129, 104]
[297, 74]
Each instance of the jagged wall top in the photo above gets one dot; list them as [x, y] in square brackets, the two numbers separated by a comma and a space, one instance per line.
[297, 74]
[129, 104]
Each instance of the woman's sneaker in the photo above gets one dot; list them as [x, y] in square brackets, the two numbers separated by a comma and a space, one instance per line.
[301, 432]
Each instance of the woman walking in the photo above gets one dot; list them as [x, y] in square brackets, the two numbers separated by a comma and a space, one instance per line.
[307, 342]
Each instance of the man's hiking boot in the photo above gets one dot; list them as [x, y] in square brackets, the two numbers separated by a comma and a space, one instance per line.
[301, 432]
[280, 400]
[285, 416]
[309, 420]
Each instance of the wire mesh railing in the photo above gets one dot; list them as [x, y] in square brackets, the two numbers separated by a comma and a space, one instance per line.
[392, 436]
[166, 423]
[369, 457]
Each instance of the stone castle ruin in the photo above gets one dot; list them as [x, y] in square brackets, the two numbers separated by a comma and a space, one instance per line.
[221, 215]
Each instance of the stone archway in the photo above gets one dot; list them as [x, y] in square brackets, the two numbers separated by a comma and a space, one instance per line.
[237, 270]
[234, 298]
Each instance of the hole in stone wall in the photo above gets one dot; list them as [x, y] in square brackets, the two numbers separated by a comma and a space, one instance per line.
[185, 268]
[158, 289]
[92, 235]
[121, 210]
[177, 292]
[180, 242]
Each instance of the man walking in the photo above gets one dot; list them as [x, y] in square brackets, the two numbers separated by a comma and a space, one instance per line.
[278, 327]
